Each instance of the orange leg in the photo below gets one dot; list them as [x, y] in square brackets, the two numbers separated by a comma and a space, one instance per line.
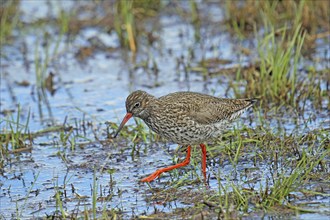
[203, 160]
[160, 171]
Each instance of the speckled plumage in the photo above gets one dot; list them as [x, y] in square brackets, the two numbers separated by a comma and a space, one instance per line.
[186, 117]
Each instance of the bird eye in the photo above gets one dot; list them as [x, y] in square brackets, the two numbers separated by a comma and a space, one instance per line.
[137, 105]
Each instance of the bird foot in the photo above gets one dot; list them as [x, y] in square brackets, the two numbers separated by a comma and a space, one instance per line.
[166, 169]
[151, 177]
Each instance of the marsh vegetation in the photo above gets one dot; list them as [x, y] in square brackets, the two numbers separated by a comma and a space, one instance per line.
[68, 66]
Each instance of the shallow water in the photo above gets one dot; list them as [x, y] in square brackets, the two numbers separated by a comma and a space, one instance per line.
[93, 91]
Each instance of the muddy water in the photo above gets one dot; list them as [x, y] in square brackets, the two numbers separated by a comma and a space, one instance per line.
[91, 92]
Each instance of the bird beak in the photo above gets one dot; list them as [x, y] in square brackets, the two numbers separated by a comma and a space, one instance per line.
[126, 118]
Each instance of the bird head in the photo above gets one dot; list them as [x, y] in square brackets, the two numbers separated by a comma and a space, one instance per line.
[136, 106]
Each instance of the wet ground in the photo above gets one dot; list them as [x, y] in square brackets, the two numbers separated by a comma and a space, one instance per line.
[71, 166]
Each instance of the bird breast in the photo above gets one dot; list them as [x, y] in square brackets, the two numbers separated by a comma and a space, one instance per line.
[184, 130]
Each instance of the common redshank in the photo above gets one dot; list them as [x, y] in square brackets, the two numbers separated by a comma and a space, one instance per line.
[185, 118]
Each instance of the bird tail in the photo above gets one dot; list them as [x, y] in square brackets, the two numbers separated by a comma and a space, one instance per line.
[239, 112]
[252, 101]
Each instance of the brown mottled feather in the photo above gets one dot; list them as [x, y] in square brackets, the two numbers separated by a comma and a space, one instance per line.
[186, 117]
[206, 109]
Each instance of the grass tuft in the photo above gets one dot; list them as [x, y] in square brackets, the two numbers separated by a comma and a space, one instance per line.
[279, 61]
[16, 136]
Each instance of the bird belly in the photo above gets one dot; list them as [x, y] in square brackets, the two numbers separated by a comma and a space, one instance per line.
[188, 133]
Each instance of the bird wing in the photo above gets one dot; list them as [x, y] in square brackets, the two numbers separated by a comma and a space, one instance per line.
[205, 109]
[219, 110]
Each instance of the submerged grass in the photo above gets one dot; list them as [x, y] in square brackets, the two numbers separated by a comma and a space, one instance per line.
[293, 162]
[288, 183]
[44, 56]
[290, 171]
[255, 189]
[21, 209]
[15, 136]
[282, 164]
[59, 203]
